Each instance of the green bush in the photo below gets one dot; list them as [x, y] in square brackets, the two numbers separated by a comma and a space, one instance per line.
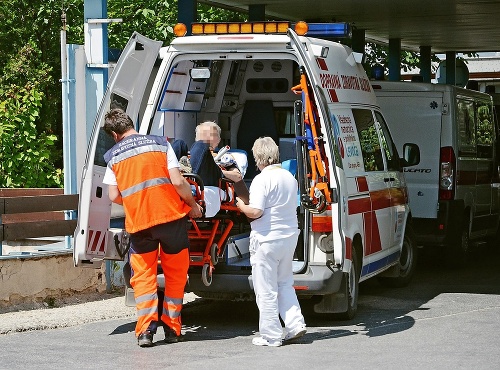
[25, 154]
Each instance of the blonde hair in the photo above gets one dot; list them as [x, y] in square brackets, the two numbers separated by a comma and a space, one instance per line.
[265, 151]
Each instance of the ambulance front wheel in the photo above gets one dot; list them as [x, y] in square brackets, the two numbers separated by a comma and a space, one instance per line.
[407, 262]
[206, 274]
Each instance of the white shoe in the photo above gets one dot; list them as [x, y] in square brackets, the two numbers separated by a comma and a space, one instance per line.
[295, 334]
[259, 341]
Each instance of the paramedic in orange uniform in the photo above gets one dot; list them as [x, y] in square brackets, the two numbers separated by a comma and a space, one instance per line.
[143, 175]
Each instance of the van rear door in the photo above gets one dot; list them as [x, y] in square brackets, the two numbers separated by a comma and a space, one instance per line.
[417, 121]
[93, 239]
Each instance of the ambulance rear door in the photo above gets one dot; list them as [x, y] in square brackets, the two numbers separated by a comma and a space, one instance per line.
[308, 56]
[95, 239]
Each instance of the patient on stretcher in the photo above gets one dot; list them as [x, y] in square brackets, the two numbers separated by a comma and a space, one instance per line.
[215, 169]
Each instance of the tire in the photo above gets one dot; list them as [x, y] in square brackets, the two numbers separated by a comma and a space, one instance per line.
[351, 279]
[457, 252]
[407, 262]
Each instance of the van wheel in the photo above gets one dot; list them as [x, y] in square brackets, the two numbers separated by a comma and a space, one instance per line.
[351, 279]
[457, 252]
[407, 262]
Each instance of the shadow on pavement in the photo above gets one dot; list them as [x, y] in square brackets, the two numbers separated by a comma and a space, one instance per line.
[381, 310]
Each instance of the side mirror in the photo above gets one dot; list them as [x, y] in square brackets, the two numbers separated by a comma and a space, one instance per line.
[411, 155]
[202, 73]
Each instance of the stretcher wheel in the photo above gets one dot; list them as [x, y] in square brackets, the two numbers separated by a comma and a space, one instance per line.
[206, 274]
[214, 254]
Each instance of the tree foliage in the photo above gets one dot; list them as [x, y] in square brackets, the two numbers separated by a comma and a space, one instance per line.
[30, 96]
[378, 54]
[30, 93]
[25, 155]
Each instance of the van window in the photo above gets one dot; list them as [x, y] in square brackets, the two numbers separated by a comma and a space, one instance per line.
[390, 151]
[466, 128]
[484, 131]
[368, 138]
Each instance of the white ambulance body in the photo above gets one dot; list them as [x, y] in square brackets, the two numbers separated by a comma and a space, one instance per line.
[354, 227]
[453, 191]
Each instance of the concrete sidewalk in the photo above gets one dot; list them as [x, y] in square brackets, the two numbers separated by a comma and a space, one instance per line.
[108, 307]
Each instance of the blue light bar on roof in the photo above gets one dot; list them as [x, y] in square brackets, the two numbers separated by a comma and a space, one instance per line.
[326, 30]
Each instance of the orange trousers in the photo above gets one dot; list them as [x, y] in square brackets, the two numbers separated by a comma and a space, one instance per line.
[144, 283]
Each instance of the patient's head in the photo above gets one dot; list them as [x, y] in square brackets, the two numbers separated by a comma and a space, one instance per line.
[208, 132]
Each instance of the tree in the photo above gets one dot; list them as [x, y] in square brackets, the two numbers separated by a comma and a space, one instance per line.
[30, 96]
[156, 18]
[25, 153]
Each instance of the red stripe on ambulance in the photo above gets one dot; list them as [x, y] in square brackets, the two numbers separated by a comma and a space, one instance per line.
[322, 64]
[348, 248]
[367, 206]
[373, 243]
[380, 199]
[333, 95]
[361, 184]
[359, 205]
[398, 196]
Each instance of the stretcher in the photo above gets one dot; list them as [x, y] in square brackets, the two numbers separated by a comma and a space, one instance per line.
[208, 235]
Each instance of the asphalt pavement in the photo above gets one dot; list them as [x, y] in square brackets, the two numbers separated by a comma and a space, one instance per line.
[447, 318]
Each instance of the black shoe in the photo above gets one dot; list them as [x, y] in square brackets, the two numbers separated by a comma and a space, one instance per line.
[171, 336]
[145, 339]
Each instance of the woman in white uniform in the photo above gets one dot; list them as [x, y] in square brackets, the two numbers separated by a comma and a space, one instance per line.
[272, 205]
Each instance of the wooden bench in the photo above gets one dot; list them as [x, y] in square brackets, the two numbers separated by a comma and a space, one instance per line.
[39, 214]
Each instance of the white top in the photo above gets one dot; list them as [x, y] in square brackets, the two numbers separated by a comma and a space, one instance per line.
[274, 191]
[172, 162]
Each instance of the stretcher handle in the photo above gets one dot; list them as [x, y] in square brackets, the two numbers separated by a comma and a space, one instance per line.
[195, 178]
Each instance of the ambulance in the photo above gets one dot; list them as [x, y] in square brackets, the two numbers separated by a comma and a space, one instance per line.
[314, 99]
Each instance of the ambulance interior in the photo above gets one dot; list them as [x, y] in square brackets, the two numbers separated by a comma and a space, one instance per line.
[248, 98]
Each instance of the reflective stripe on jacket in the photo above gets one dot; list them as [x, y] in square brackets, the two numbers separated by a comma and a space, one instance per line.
[140, 166]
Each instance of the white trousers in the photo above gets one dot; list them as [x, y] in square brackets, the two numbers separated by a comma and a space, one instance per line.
[272, 277]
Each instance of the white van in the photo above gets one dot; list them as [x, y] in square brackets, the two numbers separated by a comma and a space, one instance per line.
[352, 206]
[454, 189]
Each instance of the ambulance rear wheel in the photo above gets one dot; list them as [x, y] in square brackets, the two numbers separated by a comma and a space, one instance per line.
[407, 262]
[206, 274]
[352, 281]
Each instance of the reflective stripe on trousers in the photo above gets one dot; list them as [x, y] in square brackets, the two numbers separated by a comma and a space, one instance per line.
[175, 268]
[144, 283]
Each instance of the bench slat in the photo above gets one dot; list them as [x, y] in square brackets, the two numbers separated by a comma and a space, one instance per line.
[42, 203]
[23, 230]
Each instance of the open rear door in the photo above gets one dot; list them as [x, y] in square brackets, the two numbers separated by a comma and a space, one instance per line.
[94, 240]
[308, 60]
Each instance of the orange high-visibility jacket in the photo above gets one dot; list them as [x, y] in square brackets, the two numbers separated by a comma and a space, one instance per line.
[140, 166]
